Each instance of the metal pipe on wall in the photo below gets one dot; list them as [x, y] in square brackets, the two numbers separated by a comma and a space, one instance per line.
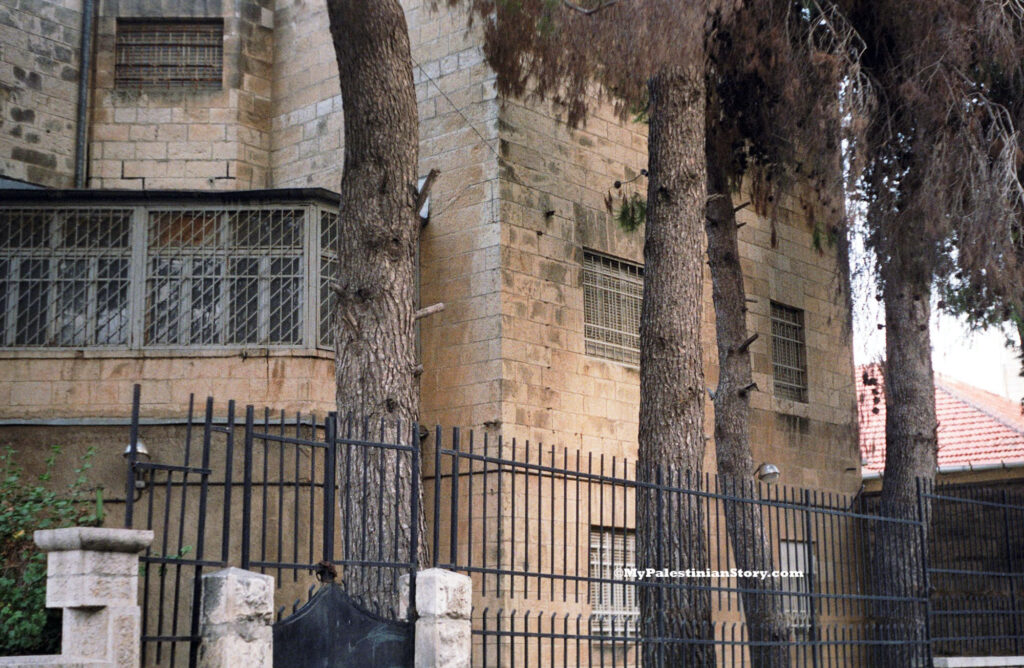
[84, 74]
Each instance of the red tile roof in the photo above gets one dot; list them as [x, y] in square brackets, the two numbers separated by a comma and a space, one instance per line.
[976, 428]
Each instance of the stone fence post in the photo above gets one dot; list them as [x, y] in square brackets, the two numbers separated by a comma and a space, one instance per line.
[93, 574]
[444, 603]
[237, 614]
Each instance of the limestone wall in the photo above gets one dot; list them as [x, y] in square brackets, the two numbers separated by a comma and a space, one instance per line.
[39, 64]
[64, 384]
[184, 138]
[553, 183]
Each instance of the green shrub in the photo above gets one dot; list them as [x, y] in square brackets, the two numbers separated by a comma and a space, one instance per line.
[26, 626]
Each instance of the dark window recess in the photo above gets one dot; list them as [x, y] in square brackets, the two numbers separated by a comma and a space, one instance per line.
[169, 54]
[789, 352]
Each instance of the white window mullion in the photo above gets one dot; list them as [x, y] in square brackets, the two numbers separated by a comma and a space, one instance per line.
[138, 272]
[263, 301]
[185, 295]
[311, 278]
[92, 307]
[13, 297]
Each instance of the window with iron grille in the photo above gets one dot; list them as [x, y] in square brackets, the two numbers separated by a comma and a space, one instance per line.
[329, 231]
[615, 605]
[795, 555]
[789, 352]
[224, 277]
[154, 277]
[612, 293]
[169, 54]
[64, 277]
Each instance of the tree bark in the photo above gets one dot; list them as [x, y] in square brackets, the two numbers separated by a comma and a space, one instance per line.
[376, 298]
[670, 525]
[752, 550]
[910, 450]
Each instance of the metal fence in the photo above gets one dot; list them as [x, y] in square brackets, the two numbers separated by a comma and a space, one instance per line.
[975, 567]
[550, 538]
[259, 491]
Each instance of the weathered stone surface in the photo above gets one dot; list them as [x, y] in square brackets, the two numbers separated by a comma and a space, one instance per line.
[93, 538]
[237, 614]
[443, 643]
[443, 629]
[441, 593]
[55, 660]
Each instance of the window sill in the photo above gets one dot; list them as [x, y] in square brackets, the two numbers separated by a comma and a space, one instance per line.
[156, 353]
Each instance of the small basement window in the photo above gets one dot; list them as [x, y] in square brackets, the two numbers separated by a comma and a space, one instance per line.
[616, 609]
[169, 54]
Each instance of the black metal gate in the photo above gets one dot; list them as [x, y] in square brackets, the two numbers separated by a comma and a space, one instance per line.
[333, 631]
[265, 495]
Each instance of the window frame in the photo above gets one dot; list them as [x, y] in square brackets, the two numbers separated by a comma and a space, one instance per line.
[791, 390]
[139, 261]
[126, 26]
[629, 275]
[796, 592]
[617, 622]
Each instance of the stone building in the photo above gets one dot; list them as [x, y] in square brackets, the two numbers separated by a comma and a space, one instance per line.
[210, 121]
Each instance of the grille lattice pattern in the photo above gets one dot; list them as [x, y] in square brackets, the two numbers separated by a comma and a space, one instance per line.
[225, 277]
[789, 352]
[64, 277]
[612, 294]
[615, 606]
[183, 54]
[329, 230]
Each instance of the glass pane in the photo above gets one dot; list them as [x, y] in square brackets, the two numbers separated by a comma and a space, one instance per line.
[33, 302]
[163, 301]
[206, 303]
[245, 290]
[285, 300]
[72, 293]
[112, 302]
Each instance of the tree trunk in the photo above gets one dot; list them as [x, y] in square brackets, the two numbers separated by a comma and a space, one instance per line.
[910, 447]
[376, 298]
[670, 526]
[752, 550]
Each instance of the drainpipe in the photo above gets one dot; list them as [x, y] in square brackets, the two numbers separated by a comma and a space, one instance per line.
[84, 72]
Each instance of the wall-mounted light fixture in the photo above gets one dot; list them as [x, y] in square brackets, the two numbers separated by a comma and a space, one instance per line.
[767, 473]
[141, 454]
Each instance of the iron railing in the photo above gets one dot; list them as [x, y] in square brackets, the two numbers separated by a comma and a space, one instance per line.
[549, 537]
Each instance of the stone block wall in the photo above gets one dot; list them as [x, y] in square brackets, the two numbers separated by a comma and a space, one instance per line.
[459, 256]
[40, 49]
[554, 180]
[66, 385]
[180, 138]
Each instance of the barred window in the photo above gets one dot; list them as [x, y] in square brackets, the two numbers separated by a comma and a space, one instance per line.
[329, 230]
[169, 54]
[789, 352]
[64, 277]
[153, 277]
[615, 605]
[795, 555]
[224, 277]
[612, 293]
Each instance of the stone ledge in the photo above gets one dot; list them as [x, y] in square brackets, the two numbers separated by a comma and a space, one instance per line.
[93, 539]
[56, 660]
